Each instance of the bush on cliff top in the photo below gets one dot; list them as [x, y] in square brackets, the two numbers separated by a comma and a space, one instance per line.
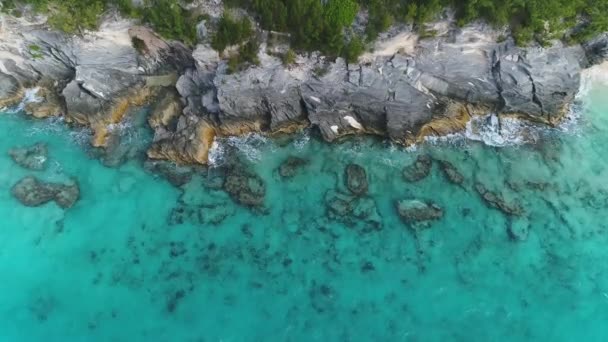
[321, 24]
[167, 17]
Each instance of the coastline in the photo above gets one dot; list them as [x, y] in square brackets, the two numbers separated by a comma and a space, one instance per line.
[412, 89]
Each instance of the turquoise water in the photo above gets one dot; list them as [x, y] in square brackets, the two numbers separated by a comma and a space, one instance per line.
[137, 259]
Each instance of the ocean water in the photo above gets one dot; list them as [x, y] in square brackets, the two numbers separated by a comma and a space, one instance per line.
[137, 259]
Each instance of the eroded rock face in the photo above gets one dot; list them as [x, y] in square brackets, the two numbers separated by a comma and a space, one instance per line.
[32, 192]
[95, 79]
[496, 201]
[417, 213]
[419, 170]
[10, 90]
[404, 95]
[356, 179]
[31, 157]
[597, 49]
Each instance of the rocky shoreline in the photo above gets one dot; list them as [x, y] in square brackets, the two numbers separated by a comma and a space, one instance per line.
[418, 87]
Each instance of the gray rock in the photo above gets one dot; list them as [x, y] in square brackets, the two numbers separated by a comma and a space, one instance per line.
[417, 213]
[9, 89]
[419, 170]
[31, 157]
[597, 49]
[32, 192]
[355, 178]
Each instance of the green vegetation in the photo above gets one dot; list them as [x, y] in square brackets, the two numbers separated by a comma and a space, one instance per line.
[35, 51]
[325, 25]
[167, 18]
[312, 24]
[529, 20]
[231, 32]
[247, 55]
[289, 57]
[319, 25]
[73, 16]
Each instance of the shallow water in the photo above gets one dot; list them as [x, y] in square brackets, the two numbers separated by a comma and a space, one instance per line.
[138, 259]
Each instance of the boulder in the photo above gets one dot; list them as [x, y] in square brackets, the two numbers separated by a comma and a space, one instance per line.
[32, 192]
[419, 170]
[33, 157]
[356, 179]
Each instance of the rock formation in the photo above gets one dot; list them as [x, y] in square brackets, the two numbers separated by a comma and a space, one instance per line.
[32, 192]
[432, 86]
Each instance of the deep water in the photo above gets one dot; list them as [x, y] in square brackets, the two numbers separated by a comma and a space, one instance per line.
[137, 259]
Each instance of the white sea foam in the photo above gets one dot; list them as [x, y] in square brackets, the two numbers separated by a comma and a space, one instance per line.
[216, 154]
[302, 141]
[248, 145]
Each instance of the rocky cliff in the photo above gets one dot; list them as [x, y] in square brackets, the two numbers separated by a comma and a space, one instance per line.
[407, 88]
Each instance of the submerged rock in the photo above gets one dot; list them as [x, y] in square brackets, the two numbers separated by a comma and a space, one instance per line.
[417, 213]
[31, 157]
[215, 214]
[356, 179]
[355, 211]
[419, 170]
[291, 165]
[32, 192]
[450, 172]
[518, 229]
[176, 175]
[245, 188]
[496, 201]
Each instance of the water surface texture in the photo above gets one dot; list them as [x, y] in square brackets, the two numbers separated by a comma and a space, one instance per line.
[137, 259]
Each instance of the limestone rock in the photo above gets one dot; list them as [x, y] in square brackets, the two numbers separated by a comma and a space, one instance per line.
[33, 157]
[32, 192]
[10, 90]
